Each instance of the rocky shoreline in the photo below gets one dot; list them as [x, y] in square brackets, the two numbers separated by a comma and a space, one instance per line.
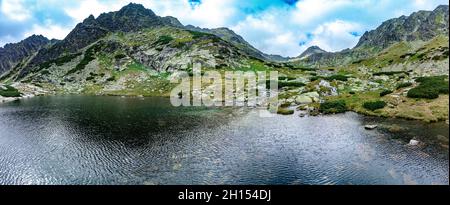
[25, 90]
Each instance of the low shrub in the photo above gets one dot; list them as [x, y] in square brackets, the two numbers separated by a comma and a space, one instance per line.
[120, 56]
[429, 87]
[59, 61]
[423, 92]
[374, 105]
[90, 78]
[389, 73]
[282, 84]
[112, 78]
[45, 72]
[314, 78]
[164, 39]
[65, 59]
[89, 56]
[286, 78]
[330, 107]
[197, 34]
[403, 85]
[385, 92]
[10, 92]
[337, 77]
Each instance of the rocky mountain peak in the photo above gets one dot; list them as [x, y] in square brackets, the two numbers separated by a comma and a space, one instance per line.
[130, 18]
[14, 53]
[421, 25]
[135, 10]
[311, 51]
[442, 8]
[34, 39]
[170, 20]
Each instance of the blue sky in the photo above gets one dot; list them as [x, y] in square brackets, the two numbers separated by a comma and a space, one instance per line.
[285, 27]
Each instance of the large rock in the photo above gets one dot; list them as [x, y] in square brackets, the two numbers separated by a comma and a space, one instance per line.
[312, 94]
[302, 99]
[329, 89]
[370, 127]
[413, 142]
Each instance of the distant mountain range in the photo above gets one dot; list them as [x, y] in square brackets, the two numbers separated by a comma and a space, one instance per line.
[174, 45]
[419, 26]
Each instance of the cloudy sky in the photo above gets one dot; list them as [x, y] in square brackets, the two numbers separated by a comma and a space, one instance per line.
[285, 27]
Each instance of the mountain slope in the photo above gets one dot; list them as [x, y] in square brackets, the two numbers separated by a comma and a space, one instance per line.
[130, 51]
[136, 62]
[131, 18]
[13, 54]
[238, 41]
[419, 26]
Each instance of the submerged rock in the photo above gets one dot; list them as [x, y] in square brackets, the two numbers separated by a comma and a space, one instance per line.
[370, 127]
[413, 142]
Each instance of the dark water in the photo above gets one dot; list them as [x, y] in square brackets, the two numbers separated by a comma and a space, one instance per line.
[111, 140]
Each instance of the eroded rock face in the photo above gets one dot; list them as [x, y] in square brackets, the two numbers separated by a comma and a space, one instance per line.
[421, 25]
[14, 53]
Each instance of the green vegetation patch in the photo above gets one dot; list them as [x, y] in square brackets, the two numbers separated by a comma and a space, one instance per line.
[120, 56]
[374, 105]
[196, 34]
[389, 73]
[429, 87]
[282, 84]
[385, 92]
[9, 92]
[285, 78]
[45, 72]
[112, 78]
[302, 68]
[137, 67]
[89, 56]
[332, 107]
[164, 39]
[59, 61]
[404, 85]
[337, 77]
[314, 78]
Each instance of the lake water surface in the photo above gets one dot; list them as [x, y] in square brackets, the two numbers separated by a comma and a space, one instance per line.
[113, 140]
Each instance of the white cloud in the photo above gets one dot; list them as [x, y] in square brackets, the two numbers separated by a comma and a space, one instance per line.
[50, 31]
[335, 36]
[88, 7]
[309, 10]
[275, 29]
[427, 4]
[269, 33]
[210, 13]
[14, 10]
